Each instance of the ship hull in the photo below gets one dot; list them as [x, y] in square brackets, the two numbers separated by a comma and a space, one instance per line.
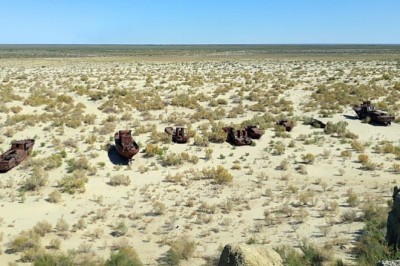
[125, 145]
[19, 151]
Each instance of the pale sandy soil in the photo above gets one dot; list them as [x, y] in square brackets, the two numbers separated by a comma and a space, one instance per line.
[212, 215]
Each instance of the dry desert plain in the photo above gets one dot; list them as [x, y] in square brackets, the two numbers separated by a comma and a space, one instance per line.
[74, 197]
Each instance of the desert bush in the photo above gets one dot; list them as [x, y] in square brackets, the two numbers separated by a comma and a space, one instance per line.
[311, 255]
[352, 198]
[370, 245]
[153, 150]
[209, 153]
[125, 256]
[279, 148]
[47, 259]
[38, 179]
[357, 146]
[314, 255]
[53, 161]
[396, 167]
[219, 174]
[89, 119]
[217, 135]
[236, 166]
[118, 180]
[301, 169]
[201, 141]
[107, 128]
[181, 248]
[42, 228]
[82, 163]
[80, 224]
[308, 158]
[120, 229]
[73, 183]
[55, 243]
[25, 240]
[158, 208]
[62, 226]
[345, 154]
[363, 158]
[338, 128]
[176, 178]
[172, 159]
[55, 196]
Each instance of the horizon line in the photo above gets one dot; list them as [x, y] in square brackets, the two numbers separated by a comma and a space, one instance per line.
[196, 44]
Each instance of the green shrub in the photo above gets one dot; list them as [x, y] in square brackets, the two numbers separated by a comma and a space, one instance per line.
[42, 228]
[82, 163]
[54, 197]
[371, 246]
[209, 153]
[290, 256]
[357, 146]
[158, 208]
[25, 240]
[314, 255]
[181, 248]
[73, 183]
[153, 150]
[308, 158]
[125, 256]
[37, 180]
[118, 180]
[172, 159]
[279, 148]
[217, 135]
[201, 141]
[363, 158]
[220, 175]
[53, 259]
[53, 161]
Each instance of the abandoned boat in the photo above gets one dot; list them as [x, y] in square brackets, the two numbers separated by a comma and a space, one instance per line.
[178, 134]
[125, 144]
[20, 149]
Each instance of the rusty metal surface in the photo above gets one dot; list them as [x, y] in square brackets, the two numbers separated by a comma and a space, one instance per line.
[178, 134]
[125, 144]
[254, 131]
[238, 137]
[18, 152]
[367, 110]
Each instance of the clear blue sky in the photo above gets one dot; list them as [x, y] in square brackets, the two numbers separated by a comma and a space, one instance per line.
[199, 21]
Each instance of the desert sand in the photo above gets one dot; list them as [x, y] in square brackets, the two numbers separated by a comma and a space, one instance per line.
[289, 186]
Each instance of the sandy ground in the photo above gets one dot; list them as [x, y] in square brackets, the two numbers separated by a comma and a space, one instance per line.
[262, 204]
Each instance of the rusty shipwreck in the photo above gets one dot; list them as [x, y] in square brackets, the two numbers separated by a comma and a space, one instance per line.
[20, 149]
[125, 144]
[237, 137]
[367, 111]
[178, 134]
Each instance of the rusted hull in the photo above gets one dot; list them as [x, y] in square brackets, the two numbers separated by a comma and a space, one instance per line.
[180, 140]
[14, 156]
[367, 110]
[125, 144]
[254, 132]
[238, 137]
[178, 134]
[127, 153]
[240, 141]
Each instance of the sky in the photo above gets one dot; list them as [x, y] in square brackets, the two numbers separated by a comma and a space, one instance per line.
[200, 22]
